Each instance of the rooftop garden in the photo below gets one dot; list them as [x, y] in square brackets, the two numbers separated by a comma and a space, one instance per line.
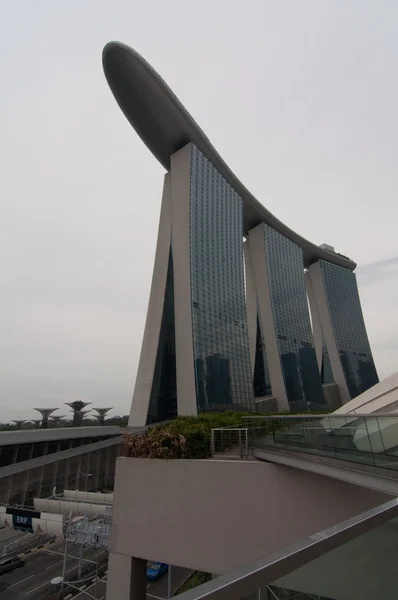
[184, 437]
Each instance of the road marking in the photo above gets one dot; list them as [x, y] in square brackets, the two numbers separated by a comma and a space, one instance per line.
[20, 581]
[73, 556]
[52, 565]
[47, 582]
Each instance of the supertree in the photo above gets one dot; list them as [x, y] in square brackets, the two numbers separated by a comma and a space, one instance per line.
[19, 422]
[45, 413]
[77, 407]
[57, 420]
[101, 414]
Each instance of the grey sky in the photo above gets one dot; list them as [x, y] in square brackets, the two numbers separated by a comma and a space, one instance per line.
[298, 97]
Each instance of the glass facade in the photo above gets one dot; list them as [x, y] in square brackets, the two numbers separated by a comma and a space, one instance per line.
[15, 453]
[349, 329]
[292, 323]
[163, 401]
[326, 367]
[219, 323]
[94, 471]
[261, 380]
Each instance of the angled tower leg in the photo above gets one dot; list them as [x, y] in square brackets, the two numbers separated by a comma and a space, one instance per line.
[256, 241]
[285, 321]
[335, 293]
[149, 351]
[181, 184]
[195, 354]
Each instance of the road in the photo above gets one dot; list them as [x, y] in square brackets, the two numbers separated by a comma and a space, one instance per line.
[156, 590]
[32, 582]
[9, 536]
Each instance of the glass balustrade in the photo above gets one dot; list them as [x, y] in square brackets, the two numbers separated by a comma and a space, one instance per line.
[367, 439]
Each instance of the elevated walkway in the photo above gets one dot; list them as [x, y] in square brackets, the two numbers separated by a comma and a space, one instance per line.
[358, 449]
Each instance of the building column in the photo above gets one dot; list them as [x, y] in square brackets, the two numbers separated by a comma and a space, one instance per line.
[126, 577]
[180, 202]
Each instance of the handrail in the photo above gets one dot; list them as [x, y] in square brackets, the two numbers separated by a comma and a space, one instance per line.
[245, 580]
[353, 416]
[366, 439]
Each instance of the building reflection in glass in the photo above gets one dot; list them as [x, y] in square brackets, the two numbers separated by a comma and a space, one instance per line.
[163, 401]
[220, 340]
[349, 329]
[292, 324]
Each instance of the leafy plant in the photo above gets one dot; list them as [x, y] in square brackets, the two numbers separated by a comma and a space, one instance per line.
[197, 578]
[155, 443]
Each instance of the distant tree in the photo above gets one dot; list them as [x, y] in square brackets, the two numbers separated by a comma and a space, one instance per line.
[118, 420]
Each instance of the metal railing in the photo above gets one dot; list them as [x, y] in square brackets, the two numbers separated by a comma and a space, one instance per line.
[366, 439]
[232, 442]
[258, 575]
[19, 546]
[91, 531]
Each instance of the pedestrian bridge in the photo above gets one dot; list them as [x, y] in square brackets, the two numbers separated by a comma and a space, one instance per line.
[360, 449]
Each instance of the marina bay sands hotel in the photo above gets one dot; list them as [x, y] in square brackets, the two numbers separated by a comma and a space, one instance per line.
[244, 313]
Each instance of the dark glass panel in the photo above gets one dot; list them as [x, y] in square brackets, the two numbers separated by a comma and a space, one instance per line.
[5, 489]
[65, 444]
[7, 455]
[349, 328]
[261, 381]
[39, 449]
[24, 452]
[221, 347]
[292, 322]
[163, 401]
[52, 447]
[34, 485]
[326, 367]
[48, 480]
[72, 475]
[18, 487]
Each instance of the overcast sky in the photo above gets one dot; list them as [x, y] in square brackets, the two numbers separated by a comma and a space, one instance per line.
[300, 99]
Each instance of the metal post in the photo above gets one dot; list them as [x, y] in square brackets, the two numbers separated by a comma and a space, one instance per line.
[240, 443]
[96, 579]
[169, 583]
[212, 444]
[79, 570]
[64, 564]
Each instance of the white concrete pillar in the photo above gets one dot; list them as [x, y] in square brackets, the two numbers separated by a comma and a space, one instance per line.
[126, 577]
[180, 208]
